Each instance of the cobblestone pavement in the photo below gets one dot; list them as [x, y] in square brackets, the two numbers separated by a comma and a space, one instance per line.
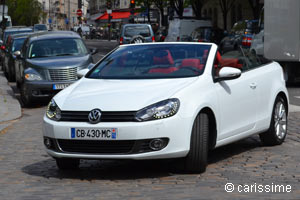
[27, 172]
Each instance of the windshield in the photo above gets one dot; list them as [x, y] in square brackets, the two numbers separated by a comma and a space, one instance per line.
[131, 31]
[57, 47]
[203, 34]
[8, 33]
[40, 27]
[17, 44]
[153, 61]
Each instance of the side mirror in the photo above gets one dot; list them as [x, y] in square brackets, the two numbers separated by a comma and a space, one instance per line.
[228, 73]
[94, 51]
[82, 73]
[17, 54]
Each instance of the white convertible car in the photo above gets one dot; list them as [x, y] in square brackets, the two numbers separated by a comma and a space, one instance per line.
[166, 100]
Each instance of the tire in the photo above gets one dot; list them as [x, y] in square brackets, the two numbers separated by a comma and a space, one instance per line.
[67, 163]
[196, 160]
[137, 39]
[278, 126]
[10, 76]
[25, 97]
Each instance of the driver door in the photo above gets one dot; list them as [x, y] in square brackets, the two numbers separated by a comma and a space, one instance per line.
[237, 98]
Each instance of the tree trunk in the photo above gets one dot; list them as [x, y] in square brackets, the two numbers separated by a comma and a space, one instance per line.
[225, 21]
[148, 11]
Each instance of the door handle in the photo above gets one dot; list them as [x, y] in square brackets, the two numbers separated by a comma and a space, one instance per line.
[253, 85]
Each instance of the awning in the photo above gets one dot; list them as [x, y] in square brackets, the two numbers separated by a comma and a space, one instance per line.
[116, 15]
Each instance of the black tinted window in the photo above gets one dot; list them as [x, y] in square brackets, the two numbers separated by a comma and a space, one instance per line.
[131, 31]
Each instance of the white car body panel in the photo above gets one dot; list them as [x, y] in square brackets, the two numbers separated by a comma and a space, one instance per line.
[242, 107]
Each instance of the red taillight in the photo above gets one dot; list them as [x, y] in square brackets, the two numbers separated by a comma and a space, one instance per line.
[121, 40]
[163, 38]
[247, 41]
[200, 40]
[153, 39]
[178, 38]
[2, 47]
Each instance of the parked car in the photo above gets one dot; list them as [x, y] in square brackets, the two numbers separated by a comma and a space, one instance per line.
[10, 31]
[166, 101]
[136, 33]
[48, 62]
[241, 35]
[14, 43]
[40, 27]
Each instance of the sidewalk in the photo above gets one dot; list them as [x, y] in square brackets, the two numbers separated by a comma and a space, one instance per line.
[10, 108]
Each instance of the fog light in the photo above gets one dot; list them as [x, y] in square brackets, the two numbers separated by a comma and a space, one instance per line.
[157, 144]
[47, 143]
[35, 92]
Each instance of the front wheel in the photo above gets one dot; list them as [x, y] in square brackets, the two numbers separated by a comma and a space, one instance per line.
[25, 97]
[196, 160]
[278, 126]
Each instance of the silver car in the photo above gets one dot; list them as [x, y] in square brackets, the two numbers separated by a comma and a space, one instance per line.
[136, 33]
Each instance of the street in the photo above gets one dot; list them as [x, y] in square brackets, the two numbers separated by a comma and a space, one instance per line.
[27, 172]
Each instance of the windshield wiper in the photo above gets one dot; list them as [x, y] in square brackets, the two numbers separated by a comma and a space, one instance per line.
[65, 54]
[39, 56]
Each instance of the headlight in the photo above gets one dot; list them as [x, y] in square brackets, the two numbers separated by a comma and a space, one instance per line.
[53, 112]
[33, 77]
[160, 110]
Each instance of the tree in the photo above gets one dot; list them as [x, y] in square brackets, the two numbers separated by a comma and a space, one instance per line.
[25, 12]
[226, 6]
[256, 7]
[197, 6]
[178, 5]
[146, 4]
[160, 4]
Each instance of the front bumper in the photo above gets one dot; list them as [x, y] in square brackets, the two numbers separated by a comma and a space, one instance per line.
[44, 89]
[177, 137]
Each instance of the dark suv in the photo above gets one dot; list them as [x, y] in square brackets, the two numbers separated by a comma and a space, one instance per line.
[48, 62]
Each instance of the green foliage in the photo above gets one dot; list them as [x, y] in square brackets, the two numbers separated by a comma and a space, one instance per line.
[25, 12]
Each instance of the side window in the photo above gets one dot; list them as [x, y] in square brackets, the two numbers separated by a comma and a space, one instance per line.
[23, 49]
[234, 58]
[252, 59]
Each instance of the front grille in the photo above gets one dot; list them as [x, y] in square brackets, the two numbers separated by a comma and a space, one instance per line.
[96, 146]
[104, 147]
[67, 74]
[82, 116]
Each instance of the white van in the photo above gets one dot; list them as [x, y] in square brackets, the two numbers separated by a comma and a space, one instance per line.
[8, 23]
[181, 29]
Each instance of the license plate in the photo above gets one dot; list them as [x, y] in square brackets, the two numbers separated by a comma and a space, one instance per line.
[60, 86]
[91, 133]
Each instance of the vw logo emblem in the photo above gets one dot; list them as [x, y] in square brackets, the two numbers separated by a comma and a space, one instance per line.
[95, 116]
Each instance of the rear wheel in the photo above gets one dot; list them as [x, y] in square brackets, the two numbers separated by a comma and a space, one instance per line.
[67, 163]
[196, 160]
[278, 127]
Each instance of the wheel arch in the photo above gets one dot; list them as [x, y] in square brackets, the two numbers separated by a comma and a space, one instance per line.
[212, 126]
[283, 95]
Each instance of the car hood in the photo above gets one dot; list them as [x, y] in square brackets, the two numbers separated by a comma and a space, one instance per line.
[118, 95]
[59, 62]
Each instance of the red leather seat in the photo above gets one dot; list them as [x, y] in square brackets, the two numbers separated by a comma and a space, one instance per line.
[163, 70]
[192, 62]
[163, 57]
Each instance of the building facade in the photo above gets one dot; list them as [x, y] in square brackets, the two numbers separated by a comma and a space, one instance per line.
[61, 14]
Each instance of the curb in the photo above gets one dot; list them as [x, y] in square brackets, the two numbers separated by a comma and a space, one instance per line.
[10, 108]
